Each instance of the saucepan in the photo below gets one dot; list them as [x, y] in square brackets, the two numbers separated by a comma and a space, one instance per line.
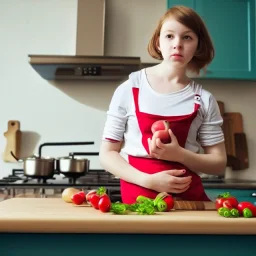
[73, 166]
[37, 167]
[44, 167]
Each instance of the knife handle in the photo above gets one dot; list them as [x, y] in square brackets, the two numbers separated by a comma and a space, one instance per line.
[189, 205]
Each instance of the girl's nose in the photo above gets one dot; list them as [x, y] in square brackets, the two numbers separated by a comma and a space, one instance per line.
[177, 44]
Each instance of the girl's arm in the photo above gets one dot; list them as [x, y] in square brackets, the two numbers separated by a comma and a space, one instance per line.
[167, 181]
[113, 162]
[213, 161]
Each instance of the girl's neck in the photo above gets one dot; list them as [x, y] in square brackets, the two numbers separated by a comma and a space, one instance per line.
[170, 74]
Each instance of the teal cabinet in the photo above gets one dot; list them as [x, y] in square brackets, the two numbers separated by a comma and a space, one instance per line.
[248, 195]
[231, 24]
[22, 244]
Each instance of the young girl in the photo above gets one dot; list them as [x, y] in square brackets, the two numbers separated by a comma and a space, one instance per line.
[130, 151]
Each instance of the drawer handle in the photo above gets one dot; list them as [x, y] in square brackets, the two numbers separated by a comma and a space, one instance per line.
[253, 194]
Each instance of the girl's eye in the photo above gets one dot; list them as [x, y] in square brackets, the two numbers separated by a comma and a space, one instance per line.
[187, 37]
[169, 36]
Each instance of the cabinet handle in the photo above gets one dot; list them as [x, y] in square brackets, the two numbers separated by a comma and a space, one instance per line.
[253, 194]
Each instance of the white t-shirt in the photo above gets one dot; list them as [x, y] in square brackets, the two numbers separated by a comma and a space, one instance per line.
[122, 125]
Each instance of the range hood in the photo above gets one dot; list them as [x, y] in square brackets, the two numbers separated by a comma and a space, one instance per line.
[89, 62]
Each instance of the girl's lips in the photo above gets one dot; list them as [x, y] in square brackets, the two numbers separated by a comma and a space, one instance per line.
[177, 55]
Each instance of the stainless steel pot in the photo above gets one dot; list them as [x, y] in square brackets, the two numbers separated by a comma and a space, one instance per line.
[72, 167]
[37, 167]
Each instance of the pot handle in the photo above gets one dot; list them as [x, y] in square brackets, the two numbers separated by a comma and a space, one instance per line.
[72, 154]
[62, 144]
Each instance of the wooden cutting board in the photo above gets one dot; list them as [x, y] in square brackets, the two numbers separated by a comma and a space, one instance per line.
[54, 215]
[221, 107]
[13, 137]
[235, 141]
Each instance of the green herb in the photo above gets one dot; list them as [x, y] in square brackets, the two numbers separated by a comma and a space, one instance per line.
[143, 206]
[247, 213]
[118, 208]
[234, 212]
[133, 207]
[225, 212]
[228, 213]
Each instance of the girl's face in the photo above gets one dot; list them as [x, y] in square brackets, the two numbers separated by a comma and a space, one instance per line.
[177, 43]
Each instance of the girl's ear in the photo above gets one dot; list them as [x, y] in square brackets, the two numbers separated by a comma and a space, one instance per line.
[158, 45]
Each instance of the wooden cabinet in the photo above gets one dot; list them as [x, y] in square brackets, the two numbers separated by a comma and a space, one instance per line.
[231, 24]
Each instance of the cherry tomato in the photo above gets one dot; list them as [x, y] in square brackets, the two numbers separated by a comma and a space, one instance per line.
[169, 202]
[94, 201]
[104, 203]
[249, 207]
[77, 198]
[89, 195]
[226, 200]
[82, 193]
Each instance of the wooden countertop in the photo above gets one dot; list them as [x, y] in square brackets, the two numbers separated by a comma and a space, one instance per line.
[51, 215]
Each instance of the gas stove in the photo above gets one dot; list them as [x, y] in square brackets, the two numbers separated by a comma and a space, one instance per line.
[18, 185]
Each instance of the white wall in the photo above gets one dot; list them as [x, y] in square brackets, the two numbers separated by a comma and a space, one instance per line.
[75, 111]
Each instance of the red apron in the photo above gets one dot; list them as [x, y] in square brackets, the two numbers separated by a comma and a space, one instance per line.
[180, 126]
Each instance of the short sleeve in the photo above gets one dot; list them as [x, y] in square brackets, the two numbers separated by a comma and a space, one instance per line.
[117, 114]
[210, 131]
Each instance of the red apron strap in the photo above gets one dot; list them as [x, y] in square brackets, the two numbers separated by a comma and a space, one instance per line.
[136, 98]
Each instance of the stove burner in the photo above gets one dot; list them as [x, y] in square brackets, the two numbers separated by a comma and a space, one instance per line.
[93, 177]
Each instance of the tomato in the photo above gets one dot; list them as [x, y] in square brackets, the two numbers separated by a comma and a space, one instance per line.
[99, 199]
[170, 203]
[219, 202]
[89, 195]
[164, 202]
[104, 203]
[77, 198]
[230, 203]
[226, 200]
[82, 193]
[247, 209]
[94, 200]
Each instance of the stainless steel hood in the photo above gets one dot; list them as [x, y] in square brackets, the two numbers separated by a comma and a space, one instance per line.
[57, 67]
[89, 62]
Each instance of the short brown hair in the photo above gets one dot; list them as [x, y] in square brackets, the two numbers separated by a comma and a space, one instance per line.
[189, 18]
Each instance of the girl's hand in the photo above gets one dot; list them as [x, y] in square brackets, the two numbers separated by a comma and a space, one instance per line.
[170, 152]
[167, 181]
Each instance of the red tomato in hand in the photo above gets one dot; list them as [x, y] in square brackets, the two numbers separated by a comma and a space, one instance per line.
[104, 203]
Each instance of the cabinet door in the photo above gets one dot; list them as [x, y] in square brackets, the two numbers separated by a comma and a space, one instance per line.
[241, 194]
[231, 24]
